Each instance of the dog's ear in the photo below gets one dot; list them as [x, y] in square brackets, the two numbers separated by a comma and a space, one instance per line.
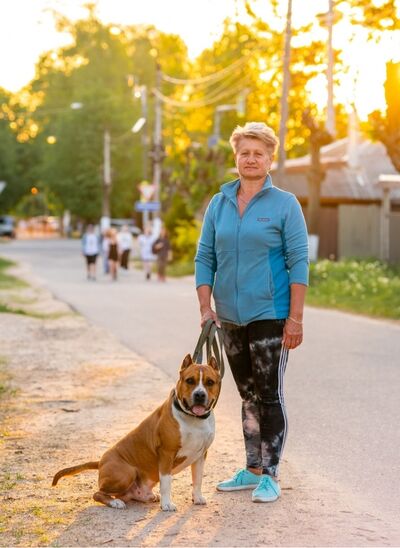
[213, 362]
[186, 362]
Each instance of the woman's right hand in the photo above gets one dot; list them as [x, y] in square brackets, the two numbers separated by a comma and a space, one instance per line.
[209, 314]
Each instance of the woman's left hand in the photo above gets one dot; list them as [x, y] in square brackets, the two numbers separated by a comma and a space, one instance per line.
[292, 334]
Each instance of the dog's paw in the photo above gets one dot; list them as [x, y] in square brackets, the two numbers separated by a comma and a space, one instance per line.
[117, 503]
[168, 506]
[199, 499]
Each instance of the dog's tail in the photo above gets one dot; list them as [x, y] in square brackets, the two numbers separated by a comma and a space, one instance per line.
[75, 470]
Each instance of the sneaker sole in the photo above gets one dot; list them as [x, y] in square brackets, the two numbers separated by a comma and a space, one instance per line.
[239, 488]
[259, 499]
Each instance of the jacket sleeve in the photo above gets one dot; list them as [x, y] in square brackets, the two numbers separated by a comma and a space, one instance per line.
[295, 240]
[205, 259]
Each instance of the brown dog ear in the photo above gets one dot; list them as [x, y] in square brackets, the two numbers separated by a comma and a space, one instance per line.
[186, 361]
[213, 362]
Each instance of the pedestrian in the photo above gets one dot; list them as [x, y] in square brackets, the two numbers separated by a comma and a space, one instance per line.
[113, 254]
[161, 248]
[147, 256]
[125, 242]
[105, 247]
[90, 250]
[253, 257]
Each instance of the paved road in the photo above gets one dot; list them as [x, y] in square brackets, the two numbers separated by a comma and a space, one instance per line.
[342, 385]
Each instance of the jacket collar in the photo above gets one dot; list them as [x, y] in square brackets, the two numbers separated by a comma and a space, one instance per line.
[230, 189]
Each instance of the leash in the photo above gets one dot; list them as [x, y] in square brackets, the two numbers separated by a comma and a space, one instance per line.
[212, 337]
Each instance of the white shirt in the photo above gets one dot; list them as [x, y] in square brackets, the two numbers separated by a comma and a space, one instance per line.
[145, 243]
[125, 240]
[90, 244]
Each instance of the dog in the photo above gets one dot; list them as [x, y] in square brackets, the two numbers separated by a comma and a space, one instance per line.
[177, 434]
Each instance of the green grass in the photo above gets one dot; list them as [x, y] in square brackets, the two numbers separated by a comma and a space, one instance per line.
[175, 270]
[6, 280]
[361, 286]
[6, 390]
[367, 287]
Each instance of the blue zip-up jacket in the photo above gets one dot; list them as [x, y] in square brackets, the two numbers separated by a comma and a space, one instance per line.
[250, 261]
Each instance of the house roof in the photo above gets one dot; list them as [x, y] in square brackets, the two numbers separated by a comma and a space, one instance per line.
[343, 181]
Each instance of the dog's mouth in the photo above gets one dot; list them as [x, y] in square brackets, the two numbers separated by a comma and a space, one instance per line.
[198, 410]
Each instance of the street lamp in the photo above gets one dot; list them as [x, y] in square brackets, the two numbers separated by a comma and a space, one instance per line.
[239, 107]
[138, 125]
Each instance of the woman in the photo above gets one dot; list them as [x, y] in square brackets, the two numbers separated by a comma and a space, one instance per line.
[253, 257]
[113, 254]
[161, 248]
[90, 250]
[125, 241]
[146, 241]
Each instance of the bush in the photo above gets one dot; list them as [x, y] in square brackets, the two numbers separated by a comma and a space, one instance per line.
[367, 287]
[184, 240]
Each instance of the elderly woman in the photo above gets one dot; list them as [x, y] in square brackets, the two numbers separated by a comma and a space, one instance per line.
[253, 257]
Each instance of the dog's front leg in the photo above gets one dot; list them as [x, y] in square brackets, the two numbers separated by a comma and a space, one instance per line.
[197, 478]
[165, 471]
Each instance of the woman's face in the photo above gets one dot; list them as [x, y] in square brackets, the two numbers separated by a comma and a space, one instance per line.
[253, 159]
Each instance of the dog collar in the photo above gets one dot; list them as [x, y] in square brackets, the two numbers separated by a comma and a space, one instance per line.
[178, 406]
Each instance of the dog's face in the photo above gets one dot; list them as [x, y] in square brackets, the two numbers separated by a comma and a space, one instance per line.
[198, 386]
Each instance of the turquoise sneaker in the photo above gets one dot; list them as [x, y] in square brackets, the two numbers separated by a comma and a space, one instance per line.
[241, 480]
[267, 490]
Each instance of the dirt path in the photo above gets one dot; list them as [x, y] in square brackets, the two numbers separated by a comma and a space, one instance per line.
[78, 390]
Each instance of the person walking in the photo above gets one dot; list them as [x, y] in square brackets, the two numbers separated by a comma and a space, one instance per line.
[90, 250]
[105, 247]
[161, 248]
[147, 256]
[125, 242]
[252, 257]
[113, 254]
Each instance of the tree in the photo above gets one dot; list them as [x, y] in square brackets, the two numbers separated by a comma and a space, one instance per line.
[319, 137]
[386, 128]
[17, 155]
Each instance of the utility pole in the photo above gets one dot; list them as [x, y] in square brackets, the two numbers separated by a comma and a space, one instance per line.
[285, 94]
[143, 101]
[330, 114]
[158, 153]
[106, 177]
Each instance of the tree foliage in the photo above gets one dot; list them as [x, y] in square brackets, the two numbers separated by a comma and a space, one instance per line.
[101, 71]
[386, 127]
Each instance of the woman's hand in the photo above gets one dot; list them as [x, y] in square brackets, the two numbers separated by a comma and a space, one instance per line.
[292, 334]
[209, 314]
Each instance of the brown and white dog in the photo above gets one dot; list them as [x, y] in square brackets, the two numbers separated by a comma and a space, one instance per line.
[177, 434]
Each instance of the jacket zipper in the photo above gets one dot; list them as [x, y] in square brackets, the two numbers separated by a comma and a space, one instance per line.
[237, 267]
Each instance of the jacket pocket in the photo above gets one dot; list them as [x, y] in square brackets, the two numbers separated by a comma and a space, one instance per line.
[270, 284]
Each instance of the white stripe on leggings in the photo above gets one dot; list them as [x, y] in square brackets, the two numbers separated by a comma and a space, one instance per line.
[283, 359]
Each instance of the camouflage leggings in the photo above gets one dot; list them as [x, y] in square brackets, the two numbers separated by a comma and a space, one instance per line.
[258, 363]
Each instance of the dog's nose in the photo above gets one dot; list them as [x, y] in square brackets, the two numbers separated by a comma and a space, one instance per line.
[199, 396]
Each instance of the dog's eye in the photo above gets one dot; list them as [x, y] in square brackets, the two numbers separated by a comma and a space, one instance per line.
[210, 382]
[190, 380]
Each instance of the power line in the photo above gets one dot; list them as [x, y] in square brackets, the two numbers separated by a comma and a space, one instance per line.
[201, 102]
[210, 78]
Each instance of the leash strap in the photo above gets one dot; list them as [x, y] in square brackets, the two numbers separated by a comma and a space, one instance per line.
[212, 337]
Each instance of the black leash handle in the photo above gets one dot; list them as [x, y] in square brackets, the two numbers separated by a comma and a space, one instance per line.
[212, 337]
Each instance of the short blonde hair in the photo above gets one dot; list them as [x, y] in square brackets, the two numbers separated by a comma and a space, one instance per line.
[254, 130]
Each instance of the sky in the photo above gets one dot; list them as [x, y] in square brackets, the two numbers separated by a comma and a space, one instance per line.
[27, 29]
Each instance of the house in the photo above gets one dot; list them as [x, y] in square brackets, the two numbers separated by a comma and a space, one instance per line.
[351, 221]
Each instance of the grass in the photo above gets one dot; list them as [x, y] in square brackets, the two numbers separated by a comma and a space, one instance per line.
[6, 280]
[175, 270]
[361, 286]
[367, 287]
[5, 377]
